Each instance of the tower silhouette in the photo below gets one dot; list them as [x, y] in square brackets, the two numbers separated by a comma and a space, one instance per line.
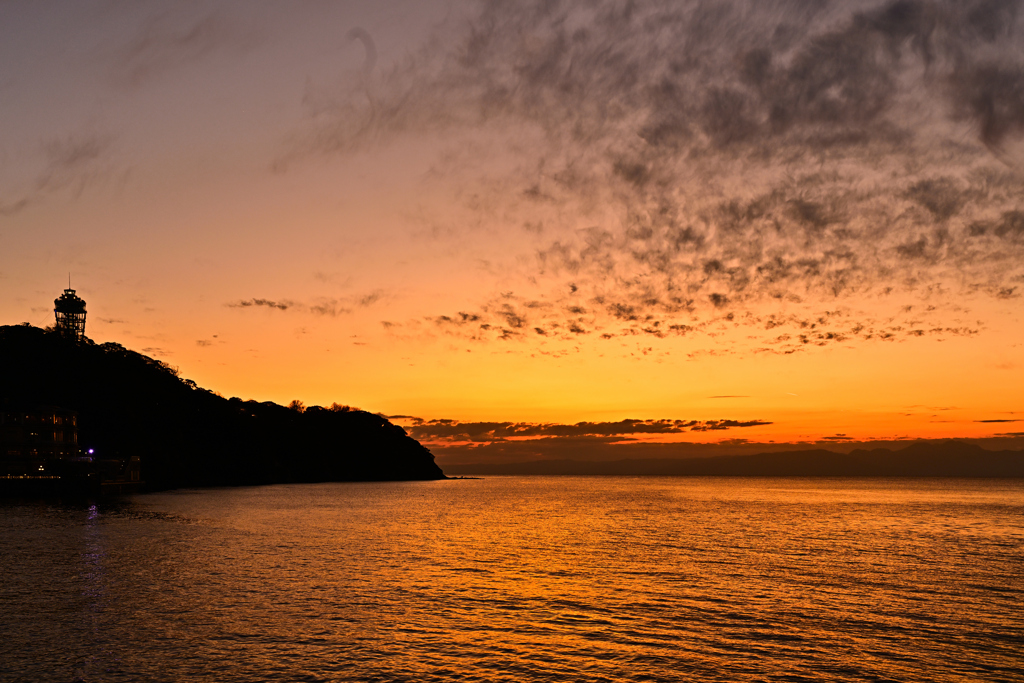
[69, 310]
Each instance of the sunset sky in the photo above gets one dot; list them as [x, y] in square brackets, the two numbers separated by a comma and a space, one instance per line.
[791, 220]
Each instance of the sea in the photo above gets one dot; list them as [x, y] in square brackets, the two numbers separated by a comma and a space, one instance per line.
[521, 579]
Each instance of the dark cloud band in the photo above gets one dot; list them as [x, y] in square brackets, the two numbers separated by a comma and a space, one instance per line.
[452, 430]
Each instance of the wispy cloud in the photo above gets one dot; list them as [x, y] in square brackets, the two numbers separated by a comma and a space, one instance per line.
[69, 164]
[171, 40]
[322, 306]
[283, 305]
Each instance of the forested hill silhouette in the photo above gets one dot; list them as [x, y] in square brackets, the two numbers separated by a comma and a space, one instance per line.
[131, 405]
[922, 459]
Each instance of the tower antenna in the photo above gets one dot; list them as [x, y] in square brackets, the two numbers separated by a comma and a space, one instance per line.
[69, 312]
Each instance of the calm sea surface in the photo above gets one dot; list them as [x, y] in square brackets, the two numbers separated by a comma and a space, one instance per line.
[521, 579]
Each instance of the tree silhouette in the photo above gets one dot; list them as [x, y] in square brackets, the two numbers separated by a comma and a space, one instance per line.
[130, 404]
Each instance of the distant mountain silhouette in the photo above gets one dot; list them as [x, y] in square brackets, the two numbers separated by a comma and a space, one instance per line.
[131, 405]
[921, 459]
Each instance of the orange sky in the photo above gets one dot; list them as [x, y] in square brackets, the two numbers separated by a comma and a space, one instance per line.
[799, 214]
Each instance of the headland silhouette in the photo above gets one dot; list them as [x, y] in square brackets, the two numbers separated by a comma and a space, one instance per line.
[115, 404]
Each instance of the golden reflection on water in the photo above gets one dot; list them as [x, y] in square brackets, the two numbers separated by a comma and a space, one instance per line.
[522, 579]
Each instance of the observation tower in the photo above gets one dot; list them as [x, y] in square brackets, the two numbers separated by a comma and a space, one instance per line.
[69, 310]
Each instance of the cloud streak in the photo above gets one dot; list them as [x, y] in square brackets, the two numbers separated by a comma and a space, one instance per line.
[71, 163]
[261, 303]
[324, 306]
[433, 431]
[168, 41]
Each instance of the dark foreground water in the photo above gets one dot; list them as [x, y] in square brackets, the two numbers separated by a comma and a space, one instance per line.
[507, 578]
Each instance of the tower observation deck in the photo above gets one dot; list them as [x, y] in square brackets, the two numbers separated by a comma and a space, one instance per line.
[69, 310]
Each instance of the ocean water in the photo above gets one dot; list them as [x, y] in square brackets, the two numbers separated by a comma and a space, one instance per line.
[521, 579]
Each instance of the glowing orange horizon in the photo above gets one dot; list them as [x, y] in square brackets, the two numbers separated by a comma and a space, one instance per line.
[537, 234]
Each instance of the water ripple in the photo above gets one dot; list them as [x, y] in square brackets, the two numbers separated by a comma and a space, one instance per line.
[521, 579]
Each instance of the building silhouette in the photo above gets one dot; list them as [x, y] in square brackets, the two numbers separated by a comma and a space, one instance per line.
[69, 310]
[38, 433]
